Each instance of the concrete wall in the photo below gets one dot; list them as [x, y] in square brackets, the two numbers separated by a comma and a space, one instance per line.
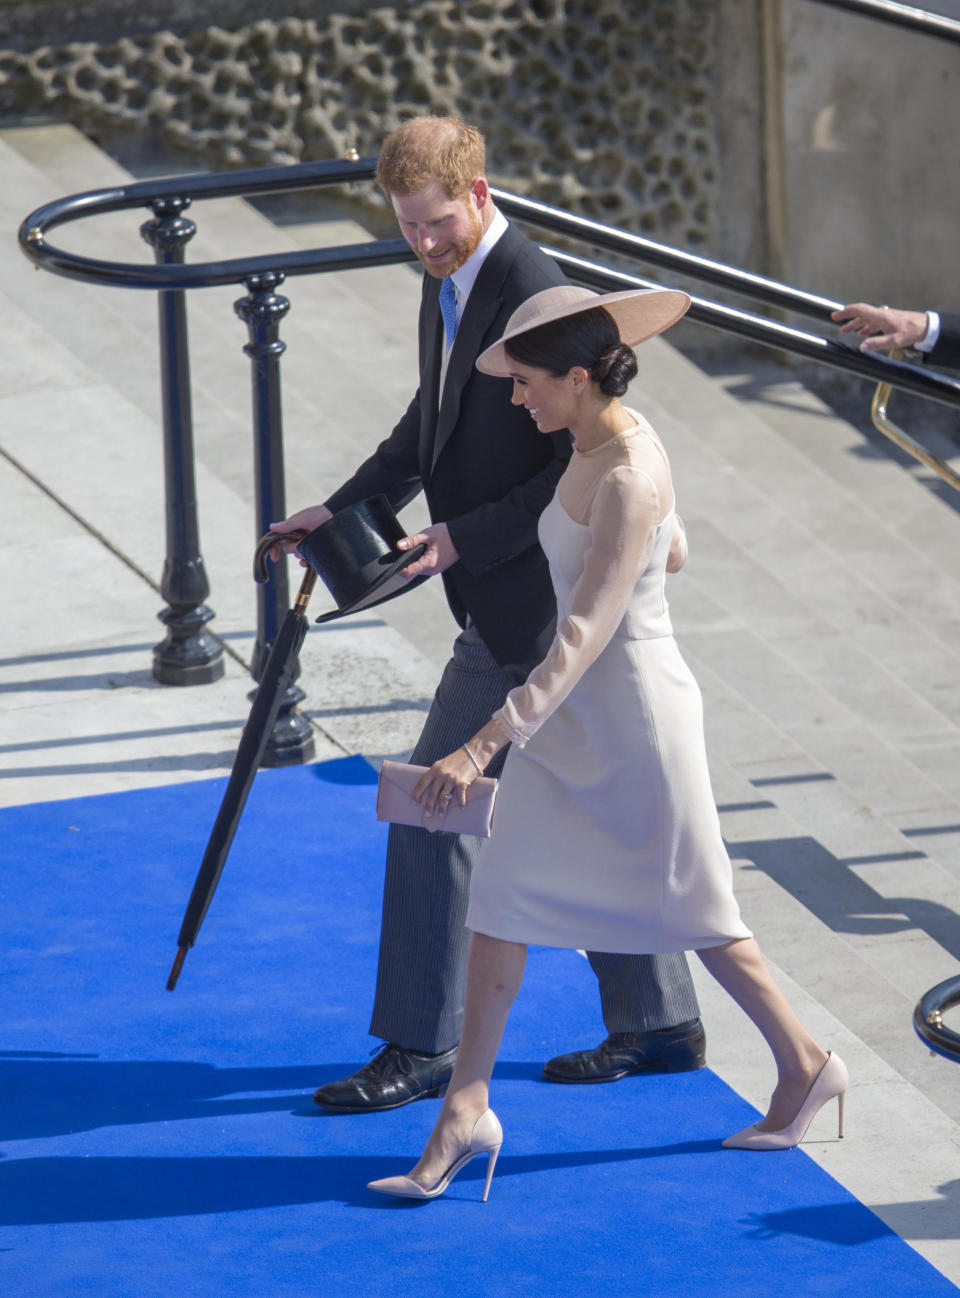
[872, 151]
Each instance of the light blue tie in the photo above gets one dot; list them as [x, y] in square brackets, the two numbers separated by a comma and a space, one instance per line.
[448, 309]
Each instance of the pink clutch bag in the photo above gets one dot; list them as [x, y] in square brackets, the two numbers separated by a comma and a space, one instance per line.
[395, 802]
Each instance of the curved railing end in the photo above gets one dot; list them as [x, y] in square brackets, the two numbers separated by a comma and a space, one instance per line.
[928, 1019]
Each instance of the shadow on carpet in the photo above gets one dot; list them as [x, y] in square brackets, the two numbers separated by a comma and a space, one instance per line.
[158, 1143]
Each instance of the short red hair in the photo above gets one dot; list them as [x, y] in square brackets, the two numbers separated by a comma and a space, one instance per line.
[424, 149]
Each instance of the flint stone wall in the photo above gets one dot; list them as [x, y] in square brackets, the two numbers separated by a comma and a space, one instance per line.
[602, 106]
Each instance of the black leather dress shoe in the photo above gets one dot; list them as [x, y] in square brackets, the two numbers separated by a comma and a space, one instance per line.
[393, 1077]
[671, 1050]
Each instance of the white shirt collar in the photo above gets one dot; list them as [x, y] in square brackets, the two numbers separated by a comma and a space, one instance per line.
[465, 278]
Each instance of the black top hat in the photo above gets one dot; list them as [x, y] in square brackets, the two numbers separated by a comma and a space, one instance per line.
[355, 555]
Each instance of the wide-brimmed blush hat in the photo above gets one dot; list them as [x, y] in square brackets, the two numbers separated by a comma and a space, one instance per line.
[356, 557]
[639, 313]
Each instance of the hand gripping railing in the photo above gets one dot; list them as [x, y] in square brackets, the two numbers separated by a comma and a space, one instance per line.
[186, 656]
[886, 372]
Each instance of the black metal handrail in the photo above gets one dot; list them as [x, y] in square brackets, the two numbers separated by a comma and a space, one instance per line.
[928, 1018]
[254, 182]
[823, 350]
[36, 244]
[771, 333]
[636, 246]
[187, 656]
[918, 20]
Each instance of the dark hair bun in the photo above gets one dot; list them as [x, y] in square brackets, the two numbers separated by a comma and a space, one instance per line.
[614, 369]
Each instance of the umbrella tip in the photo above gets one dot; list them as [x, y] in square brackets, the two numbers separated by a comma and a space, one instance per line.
[177, 966]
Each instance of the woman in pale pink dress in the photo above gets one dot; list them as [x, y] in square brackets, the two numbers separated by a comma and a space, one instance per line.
[606, 836]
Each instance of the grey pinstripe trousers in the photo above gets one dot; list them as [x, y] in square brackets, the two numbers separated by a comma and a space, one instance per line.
[423, 941]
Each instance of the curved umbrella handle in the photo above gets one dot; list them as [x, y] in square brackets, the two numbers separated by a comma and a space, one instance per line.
[266, 544]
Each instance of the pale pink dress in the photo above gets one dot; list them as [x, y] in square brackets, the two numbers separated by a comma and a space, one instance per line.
[606, 834]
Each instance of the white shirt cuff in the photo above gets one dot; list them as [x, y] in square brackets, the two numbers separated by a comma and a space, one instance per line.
[929, 339]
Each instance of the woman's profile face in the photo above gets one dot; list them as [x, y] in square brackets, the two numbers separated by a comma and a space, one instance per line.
[547, 398]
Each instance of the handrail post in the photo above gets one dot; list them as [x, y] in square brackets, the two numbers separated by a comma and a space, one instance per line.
[188, 655]
[261, 311]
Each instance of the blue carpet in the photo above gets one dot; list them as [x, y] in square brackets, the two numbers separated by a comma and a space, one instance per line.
[161, 1144]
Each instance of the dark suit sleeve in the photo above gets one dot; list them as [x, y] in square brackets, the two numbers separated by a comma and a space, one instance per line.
[392, 469]
[947, 349]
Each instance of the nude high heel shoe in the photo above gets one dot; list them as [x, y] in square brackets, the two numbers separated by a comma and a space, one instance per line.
[486, 1138]
[830, 1082]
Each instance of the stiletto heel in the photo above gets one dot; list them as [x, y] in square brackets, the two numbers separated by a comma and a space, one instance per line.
[830, 1083]
[841, 1099]
[491, 1164]
[486, 1138]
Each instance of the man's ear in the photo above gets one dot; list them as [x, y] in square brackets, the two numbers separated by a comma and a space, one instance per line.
[480, 191]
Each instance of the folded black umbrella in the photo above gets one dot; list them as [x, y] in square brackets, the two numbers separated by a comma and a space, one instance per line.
[356, 554]
[278, 675]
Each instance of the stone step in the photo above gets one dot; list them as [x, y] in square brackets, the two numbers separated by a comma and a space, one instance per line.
[335, 410]
[882, 936]
[101, 456]
[787, 615]
[84, 714]
[327, 374]
[902, 1122]
[853, 957]
[805, 421]
[98, 450]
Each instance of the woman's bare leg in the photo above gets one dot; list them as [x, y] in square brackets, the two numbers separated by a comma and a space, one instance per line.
[494, 974]
[740, 969]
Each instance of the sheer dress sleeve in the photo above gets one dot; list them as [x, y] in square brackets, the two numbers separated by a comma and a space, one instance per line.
[623, 524]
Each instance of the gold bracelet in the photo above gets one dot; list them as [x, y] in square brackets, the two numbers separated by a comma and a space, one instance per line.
[472, 758]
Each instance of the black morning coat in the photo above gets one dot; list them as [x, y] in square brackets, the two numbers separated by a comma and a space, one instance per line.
[947, 349]
[485, 469]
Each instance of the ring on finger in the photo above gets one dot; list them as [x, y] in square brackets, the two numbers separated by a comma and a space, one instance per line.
[447, 796]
